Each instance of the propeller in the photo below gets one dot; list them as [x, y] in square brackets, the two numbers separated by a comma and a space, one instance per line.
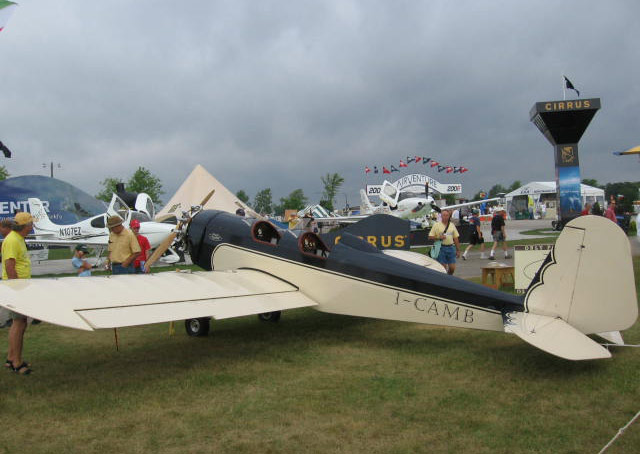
[162, 248]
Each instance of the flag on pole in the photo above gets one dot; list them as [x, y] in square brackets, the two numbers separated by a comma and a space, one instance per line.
[385, 170]
[375, 169]
[569, 85]
[367, 169]
[5, 150]
[6, 10]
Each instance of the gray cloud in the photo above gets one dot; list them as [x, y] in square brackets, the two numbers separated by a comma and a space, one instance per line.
[278, 93]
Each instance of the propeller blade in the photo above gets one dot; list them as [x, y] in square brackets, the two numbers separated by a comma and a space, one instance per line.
[206, 199]
[161, 249]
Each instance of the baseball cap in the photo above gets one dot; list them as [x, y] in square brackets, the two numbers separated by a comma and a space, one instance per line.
[82, 248]
[134, 224]
[23, 218]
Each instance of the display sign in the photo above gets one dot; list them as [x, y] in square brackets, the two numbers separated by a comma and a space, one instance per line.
[415, 183]
[527, 260]
[64, 203]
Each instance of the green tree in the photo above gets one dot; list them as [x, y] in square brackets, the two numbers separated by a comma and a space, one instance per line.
[497, 189]
[592, 182]
[624, 192]
[109, 187]
[263, 202]
[331, 183]
[242, 196]
[294, 201]
[4, 173]
[141, 181]
[144, 181]
[515, 185]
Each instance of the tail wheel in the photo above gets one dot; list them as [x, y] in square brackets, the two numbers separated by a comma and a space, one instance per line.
[269, 316]
[197, 327]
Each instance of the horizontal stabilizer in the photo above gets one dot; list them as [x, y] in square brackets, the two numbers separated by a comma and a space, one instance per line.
[613, 336]
[126, 300]
[554, 336]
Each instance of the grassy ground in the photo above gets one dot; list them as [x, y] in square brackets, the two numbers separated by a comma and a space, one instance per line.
[314, 383]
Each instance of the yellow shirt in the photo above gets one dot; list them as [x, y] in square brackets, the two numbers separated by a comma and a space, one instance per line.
[14, 247]
[122, 245]
[439, 228]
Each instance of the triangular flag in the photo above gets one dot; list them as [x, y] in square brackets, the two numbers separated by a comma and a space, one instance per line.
[570, 86]
[418, 159]
[5, 150]
[393, 169]
[402, 164]
[434, 163]
[463, 169]
[367, 169]
[425, 160]
[441, 168]
[409, 160]
[449, 169]
[385, 170]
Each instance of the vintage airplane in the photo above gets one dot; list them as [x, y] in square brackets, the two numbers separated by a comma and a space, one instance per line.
[93, 231]
[260, 269]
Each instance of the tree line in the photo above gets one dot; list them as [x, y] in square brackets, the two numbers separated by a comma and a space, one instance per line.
[143, 180]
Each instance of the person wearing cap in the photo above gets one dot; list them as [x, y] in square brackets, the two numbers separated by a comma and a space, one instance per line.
[141, 259]
[16, 264]
[123, 247]
[79, 261]
[498, 232]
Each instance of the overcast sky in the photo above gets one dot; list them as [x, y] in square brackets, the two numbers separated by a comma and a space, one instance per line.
[278, 93]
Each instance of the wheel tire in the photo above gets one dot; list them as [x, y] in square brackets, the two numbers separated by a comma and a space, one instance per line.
[272, 317]
[197, 327]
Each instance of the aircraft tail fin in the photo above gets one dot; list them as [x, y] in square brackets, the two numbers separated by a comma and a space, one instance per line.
[41, 222]
[365, 204]
[586, 283]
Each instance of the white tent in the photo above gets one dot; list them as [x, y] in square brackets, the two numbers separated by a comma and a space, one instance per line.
[195, 188]
[544, 197]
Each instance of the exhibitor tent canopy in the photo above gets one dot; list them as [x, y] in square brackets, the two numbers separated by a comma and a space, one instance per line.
[197, 185]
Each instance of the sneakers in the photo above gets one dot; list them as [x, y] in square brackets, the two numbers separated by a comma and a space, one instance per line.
[464, 256]
[506, 255]
[491, 257]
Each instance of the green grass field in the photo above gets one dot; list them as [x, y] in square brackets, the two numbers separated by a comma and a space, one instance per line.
[314, 383]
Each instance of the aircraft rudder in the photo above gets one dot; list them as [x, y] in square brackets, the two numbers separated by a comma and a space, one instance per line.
[587, 280]
[40, 217]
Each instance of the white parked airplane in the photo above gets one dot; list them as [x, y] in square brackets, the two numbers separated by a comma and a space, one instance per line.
[93, 231]
[408, 205]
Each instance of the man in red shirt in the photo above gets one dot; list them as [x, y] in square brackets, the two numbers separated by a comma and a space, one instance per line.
[138, 263]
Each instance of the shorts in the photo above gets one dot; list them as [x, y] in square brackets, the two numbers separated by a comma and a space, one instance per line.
[117, 268]
[498, 235]
[16, 316]
[475, 239]
[447, 255]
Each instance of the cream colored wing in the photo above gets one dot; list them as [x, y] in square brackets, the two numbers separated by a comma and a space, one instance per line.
[126, 300]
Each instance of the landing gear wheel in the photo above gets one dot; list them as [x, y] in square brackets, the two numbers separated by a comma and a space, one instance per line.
[270, 316]
[197, 327]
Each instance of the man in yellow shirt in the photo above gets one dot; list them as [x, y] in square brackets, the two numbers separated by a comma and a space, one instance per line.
[123, 247]
[446, 232]
[16, 264]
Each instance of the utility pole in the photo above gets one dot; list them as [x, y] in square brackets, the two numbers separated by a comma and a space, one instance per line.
[44, 166]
